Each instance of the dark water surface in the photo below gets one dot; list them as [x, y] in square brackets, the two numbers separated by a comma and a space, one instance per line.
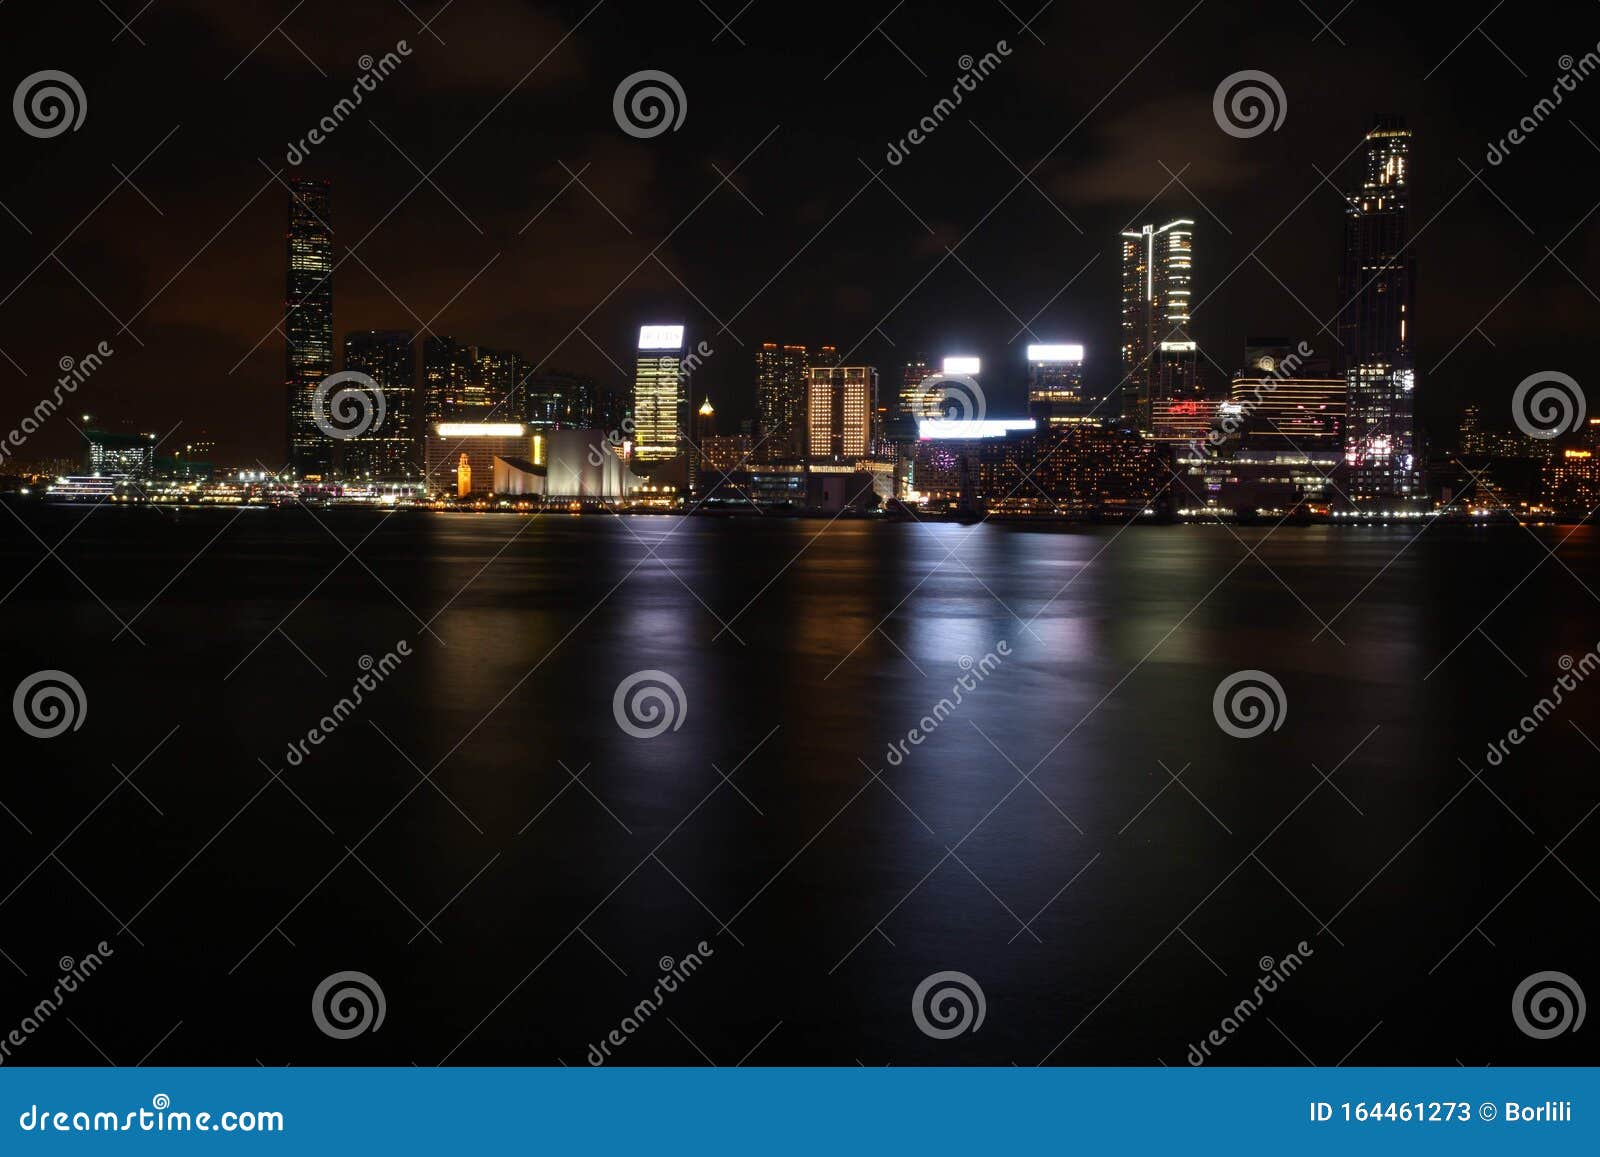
[1035, 840]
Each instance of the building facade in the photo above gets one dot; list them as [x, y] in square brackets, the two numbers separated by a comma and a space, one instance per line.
[781, 383]
[308, 323]
[1377, 286]
[658, 394]
[391, 447]
[1157, 286]
[840, 409]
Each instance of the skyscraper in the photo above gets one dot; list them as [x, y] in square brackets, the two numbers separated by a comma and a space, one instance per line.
[781, 398]
[840, 410]
[1376, 291]
[386, 356]
[1157, 280]
[1055, 383]
[658, 397]
[913, 402]
[446, 373]
[308, 322]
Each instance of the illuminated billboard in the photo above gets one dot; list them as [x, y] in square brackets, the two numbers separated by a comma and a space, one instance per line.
[480, 429]
[946, 428]
[961, 365]
[661, 337]
[1055, 353]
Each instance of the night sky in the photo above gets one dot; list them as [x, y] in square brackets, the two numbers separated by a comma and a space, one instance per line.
[809, 248]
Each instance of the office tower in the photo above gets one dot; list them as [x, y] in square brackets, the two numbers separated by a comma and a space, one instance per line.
[1376, 289]
[308, 322]
[781, 398]
[1289, 412]
[658, 398]
[839, 411]
[446, 370]
[1055, 384]
[495, 384]
[387, 357]
[824, 356]
[1157, 280]
[912, 402]
[556, 400]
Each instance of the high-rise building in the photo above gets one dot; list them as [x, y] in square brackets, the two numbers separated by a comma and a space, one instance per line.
[446, 371]
[1055, 383]
[781, 398]
[913, 402]
[658, 396]
[1377, 287]
[1157, 283]
[553, 399]
[390, 446]
[494, 387]
[840, 411]
[308, 323]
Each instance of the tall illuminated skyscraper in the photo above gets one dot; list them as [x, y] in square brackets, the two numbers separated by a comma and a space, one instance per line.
[1157, 282]
[1055, 383]
[1376, 293]
[658, 396]
[781, 398]
[913, 402]
[308, 322]
[387, 357]
[840, 411]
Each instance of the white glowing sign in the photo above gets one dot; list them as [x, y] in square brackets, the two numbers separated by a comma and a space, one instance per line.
[661, 337]
[945, 428]
[960, 365]
[480, 429]
[1055, 353]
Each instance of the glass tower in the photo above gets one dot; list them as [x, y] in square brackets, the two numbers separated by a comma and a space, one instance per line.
[658, 397]
[781, 397]
[1376, 289]
[386, 450]
[308, 322]
[1157, 282]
